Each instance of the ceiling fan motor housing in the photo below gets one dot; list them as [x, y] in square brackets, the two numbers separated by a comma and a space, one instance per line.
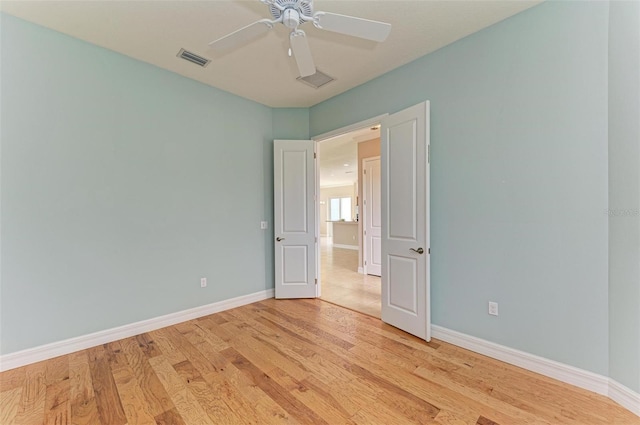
[303, 8]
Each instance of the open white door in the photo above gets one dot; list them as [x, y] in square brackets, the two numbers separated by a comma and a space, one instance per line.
[405, 220]
[294, 218]
[372, 216]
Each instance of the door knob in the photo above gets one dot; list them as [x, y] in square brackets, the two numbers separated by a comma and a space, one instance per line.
[419, 250]
[279, 239]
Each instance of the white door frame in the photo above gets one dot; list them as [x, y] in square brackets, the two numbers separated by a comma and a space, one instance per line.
[319, 139]
[364, 211]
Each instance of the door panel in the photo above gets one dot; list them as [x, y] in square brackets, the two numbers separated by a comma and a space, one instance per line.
[405, 294]
[402, 186]
[405, 220]
[372, 217]
[294, 219]
[294, 208]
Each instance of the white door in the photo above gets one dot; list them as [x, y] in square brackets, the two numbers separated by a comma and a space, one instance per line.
[405, 220]
[372, 216]
[294, 218]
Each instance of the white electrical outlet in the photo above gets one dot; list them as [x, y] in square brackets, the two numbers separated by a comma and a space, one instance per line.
[203, 282]
[493, 308]
[263, 225]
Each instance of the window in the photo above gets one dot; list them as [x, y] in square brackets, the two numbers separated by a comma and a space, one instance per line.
[340, 209]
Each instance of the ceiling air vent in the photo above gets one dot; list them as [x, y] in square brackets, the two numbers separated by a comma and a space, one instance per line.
[316, 80]
[192, 57]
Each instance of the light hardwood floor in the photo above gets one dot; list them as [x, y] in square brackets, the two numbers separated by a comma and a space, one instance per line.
[289, 361]
[342, 284]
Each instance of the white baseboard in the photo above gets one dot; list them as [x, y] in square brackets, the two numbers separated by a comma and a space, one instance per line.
[59, 348]
[562, 372]
[361, 270]
[624, 396]
[353, 247]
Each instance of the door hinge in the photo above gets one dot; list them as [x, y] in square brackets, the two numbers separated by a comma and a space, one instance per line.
[316, 281]
[365, 232]
[365, 263]
[429, 250]
[364, 171]
[314, 155]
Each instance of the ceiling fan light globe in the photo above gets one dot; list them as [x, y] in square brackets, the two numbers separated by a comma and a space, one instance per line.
[291, 18]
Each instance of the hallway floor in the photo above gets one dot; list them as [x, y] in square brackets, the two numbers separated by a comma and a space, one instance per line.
[343, 285]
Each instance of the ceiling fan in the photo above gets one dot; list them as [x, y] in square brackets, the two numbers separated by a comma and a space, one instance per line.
[292, 14]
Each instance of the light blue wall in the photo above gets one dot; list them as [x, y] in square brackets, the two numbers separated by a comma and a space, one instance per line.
[624, 193]
[519, 177]
[122, 185]
[291, 123]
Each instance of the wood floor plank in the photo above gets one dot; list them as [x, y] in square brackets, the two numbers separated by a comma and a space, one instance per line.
[84, 409]
[211, 401]
[170, 417]
[207, 328]
[185, 402]
[300, 347]
[58, 403]
[322, 403]
[154, 393]
[446, 417]
[32, 400]
[56, 369]
[12, 379]
[9, 404]
[316, 330]
[134, 404]
[166, 347]
[290, 362]
[147, 345]
[484, 421]
[249, 338]
[189, 350]
[379, 415]
[345, 404]
[104, 388]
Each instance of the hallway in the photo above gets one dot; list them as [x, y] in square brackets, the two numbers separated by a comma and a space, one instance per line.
[343, 285]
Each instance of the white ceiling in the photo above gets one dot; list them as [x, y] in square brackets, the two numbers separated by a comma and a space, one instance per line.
[338, 157]
[154, 32]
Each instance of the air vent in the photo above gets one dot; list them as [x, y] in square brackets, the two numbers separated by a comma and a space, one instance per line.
[316, 80]
[192, 57]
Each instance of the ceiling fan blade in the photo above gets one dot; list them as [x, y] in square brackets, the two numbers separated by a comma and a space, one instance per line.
[350, 25]
[242, 35]
[302, 53]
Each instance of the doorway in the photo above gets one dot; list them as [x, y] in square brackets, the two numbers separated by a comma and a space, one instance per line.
[343, 212]
[405, 264]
